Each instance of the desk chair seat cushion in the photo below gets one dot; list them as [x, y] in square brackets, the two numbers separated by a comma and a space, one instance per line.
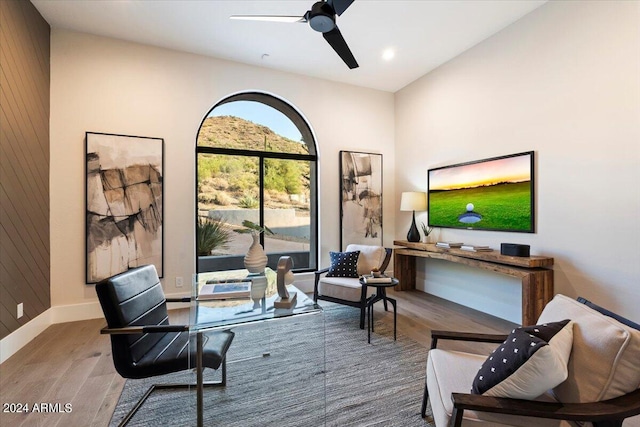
[173, 353]
[453, 372]
[604, 358]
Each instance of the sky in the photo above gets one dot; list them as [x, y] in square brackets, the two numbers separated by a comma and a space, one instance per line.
[261, 114]
[511, 169]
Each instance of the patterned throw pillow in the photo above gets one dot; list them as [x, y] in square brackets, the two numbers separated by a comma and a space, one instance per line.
[343, 264]
[532, 360]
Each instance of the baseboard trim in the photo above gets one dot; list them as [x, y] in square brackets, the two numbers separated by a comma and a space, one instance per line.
[17, 339]
[75, 312]
[13, 342]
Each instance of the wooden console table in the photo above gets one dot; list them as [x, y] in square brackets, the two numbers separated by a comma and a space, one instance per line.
[535, 272]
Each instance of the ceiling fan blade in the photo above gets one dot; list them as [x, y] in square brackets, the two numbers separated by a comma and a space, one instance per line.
[339, 6]
[269, 18]
[337, 42]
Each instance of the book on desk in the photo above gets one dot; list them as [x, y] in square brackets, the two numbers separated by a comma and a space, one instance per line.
[225, 290]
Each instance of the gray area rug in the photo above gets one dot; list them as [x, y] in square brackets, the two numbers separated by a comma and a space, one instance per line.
[377, 384]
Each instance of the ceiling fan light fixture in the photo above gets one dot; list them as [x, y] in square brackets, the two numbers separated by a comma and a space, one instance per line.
[321, 17]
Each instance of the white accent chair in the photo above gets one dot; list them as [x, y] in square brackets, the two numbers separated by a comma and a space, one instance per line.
[602, 388]
[348, 290]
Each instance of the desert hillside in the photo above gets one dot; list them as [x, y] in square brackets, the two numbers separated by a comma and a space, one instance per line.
[234, 132]
[228, 181]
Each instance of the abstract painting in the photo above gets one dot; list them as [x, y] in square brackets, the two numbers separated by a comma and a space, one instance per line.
[360, 198]
[124, 204]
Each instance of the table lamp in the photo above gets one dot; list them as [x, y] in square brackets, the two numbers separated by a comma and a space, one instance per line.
[413, 201]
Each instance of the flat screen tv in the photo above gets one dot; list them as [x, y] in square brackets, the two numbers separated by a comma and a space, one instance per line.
[490, 194]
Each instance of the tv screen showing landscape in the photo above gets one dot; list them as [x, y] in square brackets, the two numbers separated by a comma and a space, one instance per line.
[491, 194]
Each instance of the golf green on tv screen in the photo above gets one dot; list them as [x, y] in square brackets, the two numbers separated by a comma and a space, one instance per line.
[489, 194]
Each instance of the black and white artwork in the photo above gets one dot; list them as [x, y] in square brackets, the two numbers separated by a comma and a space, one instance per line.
[124, 193]
[360, 198]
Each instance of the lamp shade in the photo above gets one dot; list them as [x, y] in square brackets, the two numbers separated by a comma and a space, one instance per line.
[413, 201]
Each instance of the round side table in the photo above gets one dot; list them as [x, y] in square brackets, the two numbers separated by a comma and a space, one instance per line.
[380, 295]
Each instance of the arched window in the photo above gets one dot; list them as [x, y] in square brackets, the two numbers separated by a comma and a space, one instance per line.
[256, 160]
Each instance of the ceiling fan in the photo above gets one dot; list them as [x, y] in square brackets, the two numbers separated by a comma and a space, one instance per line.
[322, 18]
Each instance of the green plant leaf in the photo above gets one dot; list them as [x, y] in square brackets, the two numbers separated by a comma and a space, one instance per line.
[252, 227]
[211, 234]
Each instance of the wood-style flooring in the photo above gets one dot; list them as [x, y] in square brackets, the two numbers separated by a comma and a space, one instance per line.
[70, 363]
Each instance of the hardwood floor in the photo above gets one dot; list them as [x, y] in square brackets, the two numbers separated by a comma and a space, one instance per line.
[67, 363]
[70, 363]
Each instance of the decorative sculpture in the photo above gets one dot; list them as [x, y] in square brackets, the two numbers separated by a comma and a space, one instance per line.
[284, 278]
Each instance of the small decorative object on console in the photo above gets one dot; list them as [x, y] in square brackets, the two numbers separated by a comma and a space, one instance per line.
[514, 249]
[426, 230]
[476, 248]
[449, 245]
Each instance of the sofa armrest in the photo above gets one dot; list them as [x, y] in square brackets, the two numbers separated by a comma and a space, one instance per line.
[465, 336]
[607, 410]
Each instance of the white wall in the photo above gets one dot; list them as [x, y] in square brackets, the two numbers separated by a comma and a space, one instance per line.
[563, 81]
[105, 85]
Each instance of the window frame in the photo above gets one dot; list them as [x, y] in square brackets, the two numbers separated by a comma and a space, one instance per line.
[307, 137]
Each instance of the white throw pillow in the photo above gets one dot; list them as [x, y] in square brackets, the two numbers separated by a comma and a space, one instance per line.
[370, 257]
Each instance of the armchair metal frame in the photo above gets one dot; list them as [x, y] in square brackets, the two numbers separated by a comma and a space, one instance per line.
[362, 303]
[607, 413]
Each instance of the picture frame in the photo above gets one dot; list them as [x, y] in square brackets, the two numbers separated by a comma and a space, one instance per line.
[360, 198]
[124, 196]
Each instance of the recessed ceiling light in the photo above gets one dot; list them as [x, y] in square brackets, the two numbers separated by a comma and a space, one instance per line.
[388, 54]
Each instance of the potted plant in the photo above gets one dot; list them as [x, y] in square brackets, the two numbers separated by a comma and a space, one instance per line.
[255, 260]
[426, 230]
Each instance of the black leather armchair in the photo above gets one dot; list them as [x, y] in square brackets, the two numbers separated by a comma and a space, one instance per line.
[143, 342]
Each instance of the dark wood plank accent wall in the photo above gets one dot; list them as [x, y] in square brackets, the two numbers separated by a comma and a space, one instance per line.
[24, 163]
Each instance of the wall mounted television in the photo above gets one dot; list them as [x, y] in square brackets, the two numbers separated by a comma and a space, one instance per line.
[490, 194]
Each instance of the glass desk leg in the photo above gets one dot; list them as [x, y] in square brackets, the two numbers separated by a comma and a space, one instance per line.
[199, 386]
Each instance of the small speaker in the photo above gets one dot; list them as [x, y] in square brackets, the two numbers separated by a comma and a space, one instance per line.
[514, 249]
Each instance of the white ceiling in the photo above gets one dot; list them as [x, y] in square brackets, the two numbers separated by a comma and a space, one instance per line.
[423, 33]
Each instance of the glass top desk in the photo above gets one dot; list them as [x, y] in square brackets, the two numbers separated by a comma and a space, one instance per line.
[220, 314]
